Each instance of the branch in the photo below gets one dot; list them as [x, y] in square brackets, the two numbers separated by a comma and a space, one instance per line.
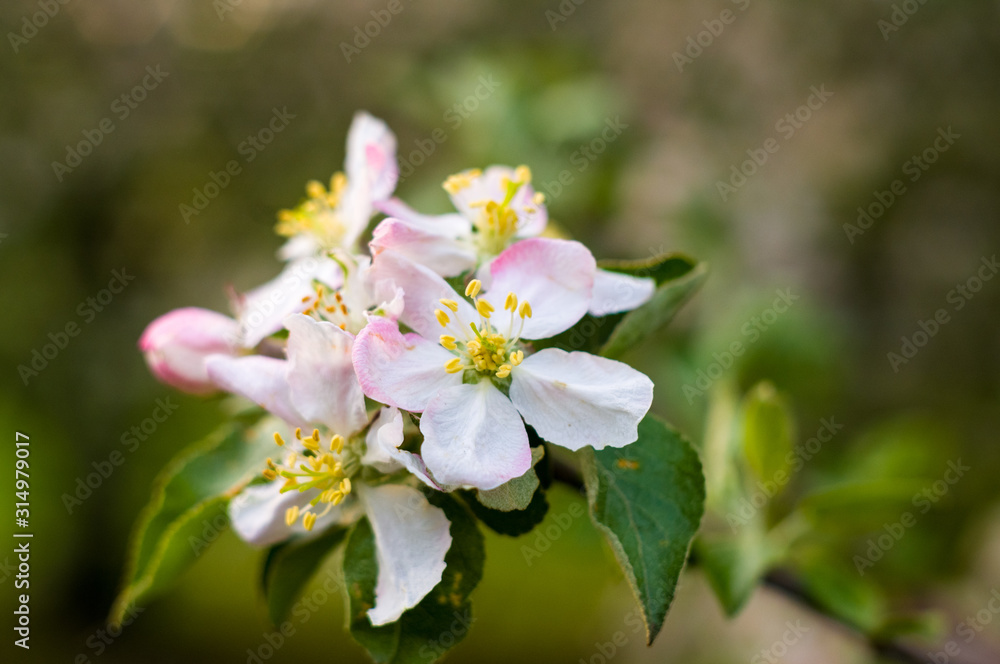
[786, 583]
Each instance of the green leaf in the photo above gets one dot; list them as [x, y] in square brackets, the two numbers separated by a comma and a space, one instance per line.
[518, 492]
[677, 280]
[514, 523]
[187, 511]
[648, 499]
[768, 434]
[424, 633]
[860, 506]
[677, 277]
[734, 564]
[845, 595]
[288, 568]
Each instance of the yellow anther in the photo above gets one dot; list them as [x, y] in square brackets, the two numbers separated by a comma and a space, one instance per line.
[473, 288]
[442, 317]
[291, 515]
[522, 174]
[270, 464]
[459, 181]
[454, 365]
[315, 189]
[538, 198]
[448, 342]
[525, 310]
[517, 357]
[290, 483]
[309, 520]
[315, 435]
[338, 181]
[278, 440]
[298, 433]
[310, 444]
[292, 458]
[328, 460]
[484, 308]
[511, 303]
[345, 486]
[451, 304]
[337, 444]
[270, 474]
[328, 495]
[503, 371]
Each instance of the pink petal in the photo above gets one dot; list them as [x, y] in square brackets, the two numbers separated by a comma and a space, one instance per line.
[444, 255]
[176, 345]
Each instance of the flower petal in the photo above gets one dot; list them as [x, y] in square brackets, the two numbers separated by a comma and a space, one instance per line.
[491, 186]
[411, 540]
[402, 371]
[371, 156]
[176, 344]
[577, 399]
[258, 514]
[263, 310]
[382, 447]
[422, 291]
[263, 380]
[615, 292]
[473, 436]
[442, 254]
[448, 225]
[324, 387]
[555, 276]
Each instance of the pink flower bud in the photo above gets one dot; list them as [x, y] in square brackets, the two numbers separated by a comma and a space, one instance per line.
[177, 343]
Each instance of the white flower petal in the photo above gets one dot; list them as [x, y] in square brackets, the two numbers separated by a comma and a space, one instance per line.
[490, 186]
[324, 387]
[444, 255]
[577, 399]
[263, 310]
[371, 156]
[423, 289]
[473, 436]
[263, 380]
[411, 540]
[383, 453]
[555, 276]
[615, 292]
[447, 225]
[402, 371]
[258, 514]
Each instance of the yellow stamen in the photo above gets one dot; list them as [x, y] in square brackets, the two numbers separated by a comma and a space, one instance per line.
[337, 444]
[454, 365]
[525, 310]
[278, 440]
[538, 198]
[315, 189]
[484, 308]
[442, 317]
[451, 304]
[517, 357]
[291, 515]
[448, 342]
[503, 371]
[511, 303]
[473, 288]
[270, 474]
[309, 520]
[522, 174]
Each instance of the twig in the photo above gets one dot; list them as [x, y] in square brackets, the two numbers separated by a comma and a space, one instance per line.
[786, 583]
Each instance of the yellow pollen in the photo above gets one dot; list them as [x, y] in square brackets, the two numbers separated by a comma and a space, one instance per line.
[473, 288]
[448, 342]
[503, 371]
[484, 308]
[309, 520]
[451, 304]
[270, 474]
[522, 174]
[442, 317]
[315, 189]
[525, 310]
[538, 198]
[511, 303]
[298, 433]
[453, 365]
[278, 440]
[337, 444]
[291, 515]
[517, 357]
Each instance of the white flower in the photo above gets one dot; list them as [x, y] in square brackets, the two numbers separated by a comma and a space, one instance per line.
[497, 207]
[317, 485]
[474, 383]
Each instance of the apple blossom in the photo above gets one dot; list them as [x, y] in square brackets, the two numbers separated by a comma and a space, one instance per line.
[177, 343]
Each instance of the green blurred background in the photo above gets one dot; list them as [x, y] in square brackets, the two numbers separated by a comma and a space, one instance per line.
[510, 82]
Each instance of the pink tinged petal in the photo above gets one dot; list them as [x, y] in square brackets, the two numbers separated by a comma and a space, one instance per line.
[263, 380]
[473, 436]
[444, 255]
[411, 540]
[263, 310]
[371, 156]
[402, 371]
[324, 387]
[258, 514]
[615, 292]
[555, 276]
[176, 345]
[382, 448]
[577, 399]
[423, 289]
[448, 225]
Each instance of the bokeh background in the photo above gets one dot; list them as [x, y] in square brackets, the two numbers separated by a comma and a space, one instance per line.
[511, 82]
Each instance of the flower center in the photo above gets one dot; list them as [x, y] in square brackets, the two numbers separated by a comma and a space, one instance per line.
[497, 221]
[328, 471]
[486, 351]
[317, 215]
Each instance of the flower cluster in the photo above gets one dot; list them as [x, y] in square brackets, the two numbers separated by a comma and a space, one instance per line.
[418, 363]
